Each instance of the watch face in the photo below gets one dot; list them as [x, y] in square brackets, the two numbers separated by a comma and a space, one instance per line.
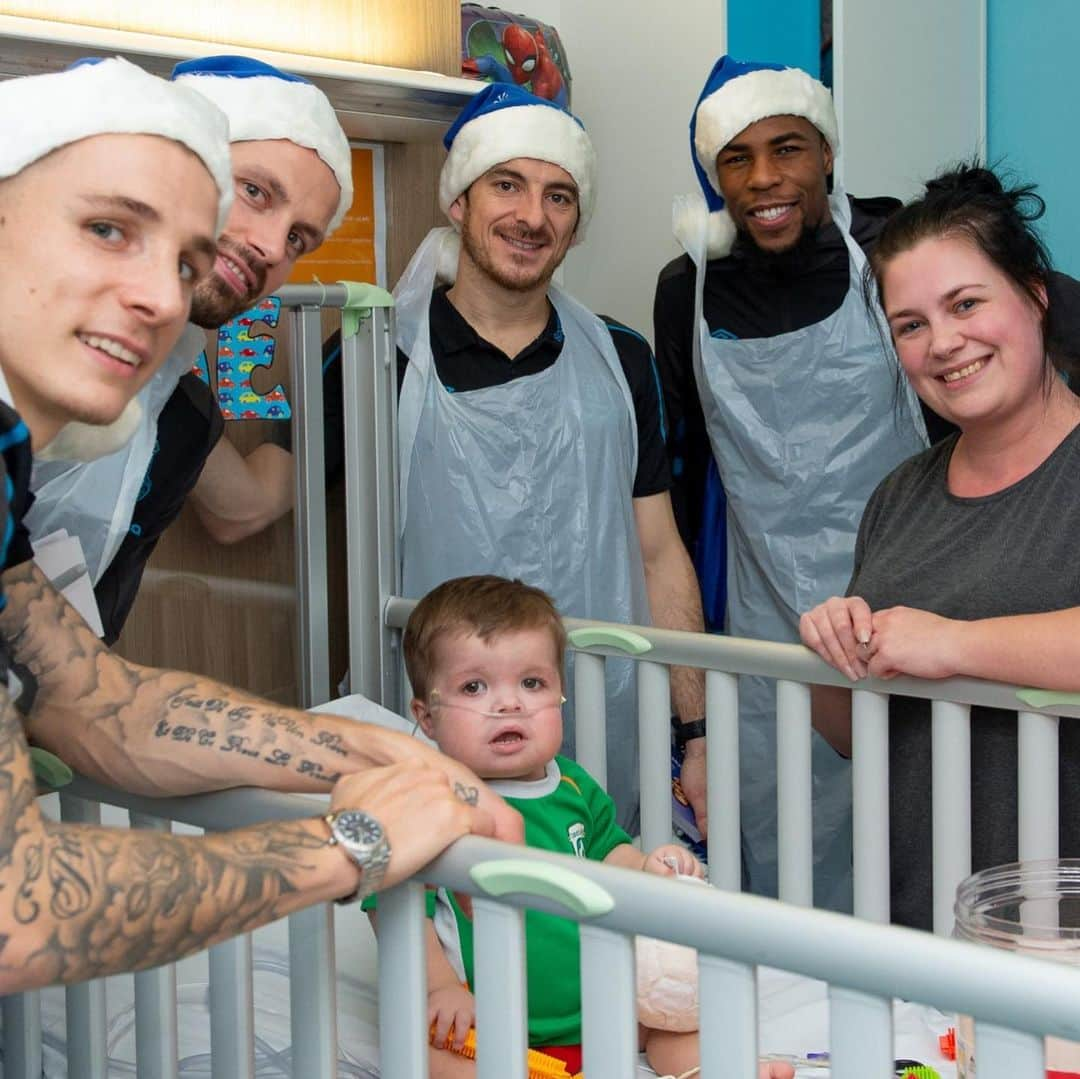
[357, 828]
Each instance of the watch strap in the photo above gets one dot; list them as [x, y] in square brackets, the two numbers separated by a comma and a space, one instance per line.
[686, 732]
[371, 872]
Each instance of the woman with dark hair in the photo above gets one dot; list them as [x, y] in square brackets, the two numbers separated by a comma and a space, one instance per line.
[965, 562]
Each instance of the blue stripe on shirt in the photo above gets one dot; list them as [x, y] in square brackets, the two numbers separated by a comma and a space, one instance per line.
[17, 434]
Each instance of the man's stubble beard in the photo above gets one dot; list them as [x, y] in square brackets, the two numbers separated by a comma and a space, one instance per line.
[779, 258]
[486, 265]
[213, 304]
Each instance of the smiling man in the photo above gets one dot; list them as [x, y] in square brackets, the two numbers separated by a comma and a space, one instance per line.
[113, 185]
[531, 430]
[292, 186]
[771, 359]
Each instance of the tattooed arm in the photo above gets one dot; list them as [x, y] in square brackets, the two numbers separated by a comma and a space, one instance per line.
[160, 732]
[78, 901]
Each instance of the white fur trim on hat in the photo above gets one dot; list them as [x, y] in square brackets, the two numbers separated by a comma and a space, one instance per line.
[689, 215]
[44, 112]
[263, 107]
[78, 441]
[755, 96]
[540, 132]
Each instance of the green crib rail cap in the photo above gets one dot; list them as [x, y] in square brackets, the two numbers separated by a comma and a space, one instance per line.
[624, 640]
[360, 298]
[49, 771]
[1047, 698]
[563, 886]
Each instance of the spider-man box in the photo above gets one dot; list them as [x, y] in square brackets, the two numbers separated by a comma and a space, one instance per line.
[501, 47]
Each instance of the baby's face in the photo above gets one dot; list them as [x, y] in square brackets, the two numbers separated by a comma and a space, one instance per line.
[496, 706]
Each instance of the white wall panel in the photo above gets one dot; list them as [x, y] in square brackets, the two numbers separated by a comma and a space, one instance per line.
[637, 68]
[910, 82]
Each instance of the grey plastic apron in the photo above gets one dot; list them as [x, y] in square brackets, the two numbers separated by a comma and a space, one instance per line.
[95, 500]
[532, 479]
[803, 427]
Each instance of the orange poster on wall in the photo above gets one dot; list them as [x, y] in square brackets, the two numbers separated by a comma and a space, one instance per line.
[350, 254]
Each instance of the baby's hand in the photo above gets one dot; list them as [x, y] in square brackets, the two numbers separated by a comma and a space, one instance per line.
[775, 1070]
[671, 860]
[451, 1007]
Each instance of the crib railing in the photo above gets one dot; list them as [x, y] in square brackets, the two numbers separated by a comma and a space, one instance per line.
[1015, 1000]
[795, 669]
[376, 611]
[232, 1031]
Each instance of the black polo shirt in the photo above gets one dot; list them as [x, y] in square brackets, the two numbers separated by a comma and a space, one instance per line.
[188, 429]
[15, 500]
[16, 461]
[465, 361]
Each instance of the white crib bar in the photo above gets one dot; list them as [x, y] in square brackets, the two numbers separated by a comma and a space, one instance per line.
[590, 735]
[654, 740]
[727, 999]
[870, 803]
[501, 1005]
[951, 808]
[157, 1050]
[232, 1010]
[1007, 1054]
[608, 1020]
[22, 1036]
[85, 1003]
[860, 1035]
[313, 991]
[403, 1026]
[722, 763]
[794, 793]
[1037, 778]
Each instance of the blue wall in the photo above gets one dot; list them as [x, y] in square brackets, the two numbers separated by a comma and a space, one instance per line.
[782, 31]
[1033, 109]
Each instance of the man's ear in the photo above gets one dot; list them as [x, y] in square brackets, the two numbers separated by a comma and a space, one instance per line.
[457, 208]
[422, 715]
[827, 155]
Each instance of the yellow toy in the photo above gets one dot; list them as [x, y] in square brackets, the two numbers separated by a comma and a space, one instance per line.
[541, 1066]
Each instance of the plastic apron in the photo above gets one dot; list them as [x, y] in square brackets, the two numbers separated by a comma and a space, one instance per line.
[803, 426]
[95, 500]
[532, 479]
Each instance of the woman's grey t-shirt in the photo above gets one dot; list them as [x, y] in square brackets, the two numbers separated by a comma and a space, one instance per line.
[1009, 553]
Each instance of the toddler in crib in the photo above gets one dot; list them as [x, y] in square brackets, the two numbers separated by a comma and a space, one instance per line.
[485, 659]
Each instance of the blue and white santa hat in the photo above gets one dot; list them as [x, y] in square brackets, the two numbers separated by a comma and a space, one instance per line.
[503, 122]
[110, 97]
[736, 94]
[262, 103]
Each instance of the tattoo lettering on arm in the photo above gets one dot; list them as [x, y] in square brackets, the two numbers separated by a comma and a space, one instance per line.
[79, 902]
[155, 731]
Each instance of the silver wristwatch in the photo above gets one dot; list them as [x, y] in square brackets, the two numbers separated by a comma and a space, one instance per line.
[361, 836]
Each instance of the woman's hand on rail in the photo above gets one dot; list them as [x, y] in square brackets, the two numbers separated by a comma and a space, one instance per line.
[451, 1008]
[839, 630]
[418, 810]
[914, 642]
